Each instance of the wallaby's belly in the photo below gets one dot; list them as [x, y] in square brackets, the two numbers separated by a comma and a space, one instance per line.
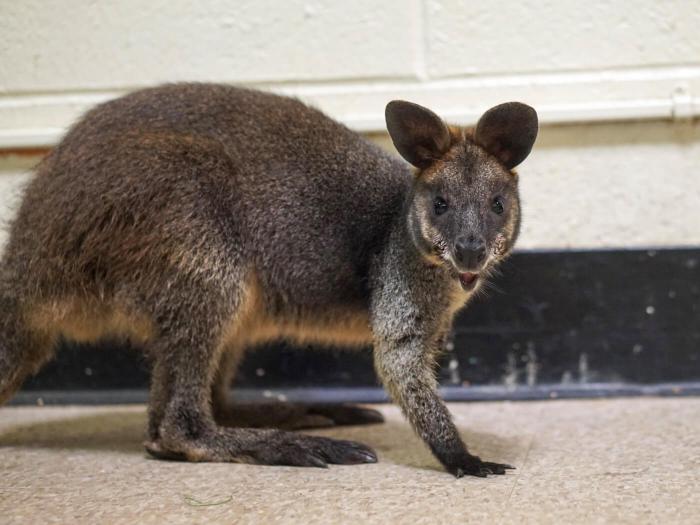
[336, 323]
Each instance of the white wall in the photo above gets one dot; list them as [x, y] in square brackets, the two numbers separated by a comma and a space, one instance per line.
[588, 183]
[630, 185]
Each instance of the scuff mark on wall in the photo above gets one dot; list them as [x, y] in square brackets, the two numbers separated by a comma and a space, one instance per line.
[510, 378]
[583, 372]
[532, 367]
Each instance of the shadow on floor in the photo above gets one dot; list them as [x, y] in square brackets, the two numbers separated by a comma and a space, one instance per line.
[397, 443]
[115, 431]
[124, 432]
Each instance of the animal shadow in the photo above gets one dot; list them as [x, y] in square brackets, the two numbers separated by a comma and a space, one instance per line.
[123, 431]
[120, 431]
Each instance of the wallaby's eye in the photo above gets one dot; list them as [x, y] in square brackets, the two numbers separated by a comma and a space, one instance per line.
[497, 205]
[440, 205]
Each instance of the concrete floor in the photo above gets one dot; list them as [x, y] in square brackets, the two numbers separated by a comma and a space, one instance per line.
[600, 461]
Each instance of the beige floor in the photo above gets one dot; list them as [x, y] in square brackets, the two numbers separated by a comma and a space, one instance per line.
[613, 461]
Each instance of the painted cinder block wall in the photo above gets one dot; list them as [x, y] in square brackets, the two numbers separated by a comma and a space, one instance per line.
[617, 85]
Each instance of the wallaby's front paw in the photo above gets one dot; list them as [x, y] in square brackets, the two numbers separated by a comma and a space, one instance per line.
[316, 451]
[474, 466]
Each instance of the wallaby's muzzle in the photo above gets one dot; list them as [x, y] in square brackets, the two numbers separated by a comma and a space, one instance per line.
[470, 253]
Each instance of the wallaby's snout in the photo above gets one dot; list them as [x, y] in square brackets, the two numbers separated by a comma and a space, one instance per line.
[470, 252]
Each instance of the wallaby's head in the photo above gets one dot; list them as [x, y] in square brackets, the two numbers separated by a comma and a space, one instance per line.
[464, 209]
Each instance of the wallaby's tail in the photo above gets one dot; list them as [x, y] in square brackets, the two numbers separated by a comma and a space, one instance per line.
[17, 354]
[11, 362]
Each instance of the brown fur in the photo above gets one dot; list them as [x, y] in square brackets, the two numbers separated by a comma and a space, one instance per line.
[87, 321]
[198, 220]
[253, 324]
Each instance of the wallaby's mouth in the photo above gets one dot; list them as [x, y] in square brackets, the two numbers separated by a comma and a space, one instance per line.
[468, 280]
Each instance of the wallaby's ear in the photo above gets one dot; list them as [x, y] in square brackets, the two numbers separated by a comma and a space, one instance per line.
[508, 131]
[420, 136]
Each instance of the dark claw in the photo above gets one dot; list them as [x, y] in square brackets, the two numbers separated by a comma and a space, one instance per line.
[338, 452]
[367, 457]
[498, 468]
[357, 458]
[474, 466]
[350, 453]
[315, 461]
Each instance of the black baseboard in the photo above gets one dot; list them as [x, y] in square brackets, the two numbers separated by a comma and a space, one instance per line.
[555, 321]
[372, 394]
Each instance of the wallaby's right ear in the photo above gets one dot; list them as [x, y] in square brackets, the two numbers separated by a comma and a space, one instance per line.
[420, 136]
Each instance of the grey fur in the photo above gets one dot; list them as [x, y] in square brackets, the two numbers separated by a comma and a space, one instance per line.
[198, 220]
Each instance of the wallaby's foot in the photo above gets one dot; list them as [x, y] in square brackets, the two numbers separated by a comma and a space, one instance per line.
[264, 447]
[295, 416]
[473, 466]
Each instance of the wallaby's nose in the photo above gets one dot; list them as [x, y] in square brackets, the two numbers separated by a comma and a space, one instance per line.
[470, 252]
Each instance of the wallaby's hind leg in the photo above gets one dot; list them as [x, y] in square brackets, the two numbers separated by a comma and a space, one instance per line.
[290, 416]
[221, 386]
[187, 356]
[158, 397]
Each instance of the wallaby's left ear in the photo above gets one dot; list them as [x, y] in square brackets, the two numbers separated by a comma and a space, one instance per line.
[508, 131]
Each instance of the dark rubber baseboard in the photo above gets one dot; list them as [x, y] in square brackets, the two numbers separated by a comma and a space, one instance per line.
[613, 322]
[370, 394]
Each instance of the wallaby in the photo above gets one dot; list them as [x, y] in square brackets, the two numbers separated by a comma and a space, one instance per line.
[198, 220]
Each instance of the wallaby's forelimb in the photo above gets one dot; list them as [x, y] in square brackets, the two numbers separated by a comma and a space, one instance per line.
[407, 374]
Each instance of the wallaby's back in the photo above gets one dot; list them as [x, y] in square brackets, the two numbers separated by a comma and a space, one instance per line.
[297, 191]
